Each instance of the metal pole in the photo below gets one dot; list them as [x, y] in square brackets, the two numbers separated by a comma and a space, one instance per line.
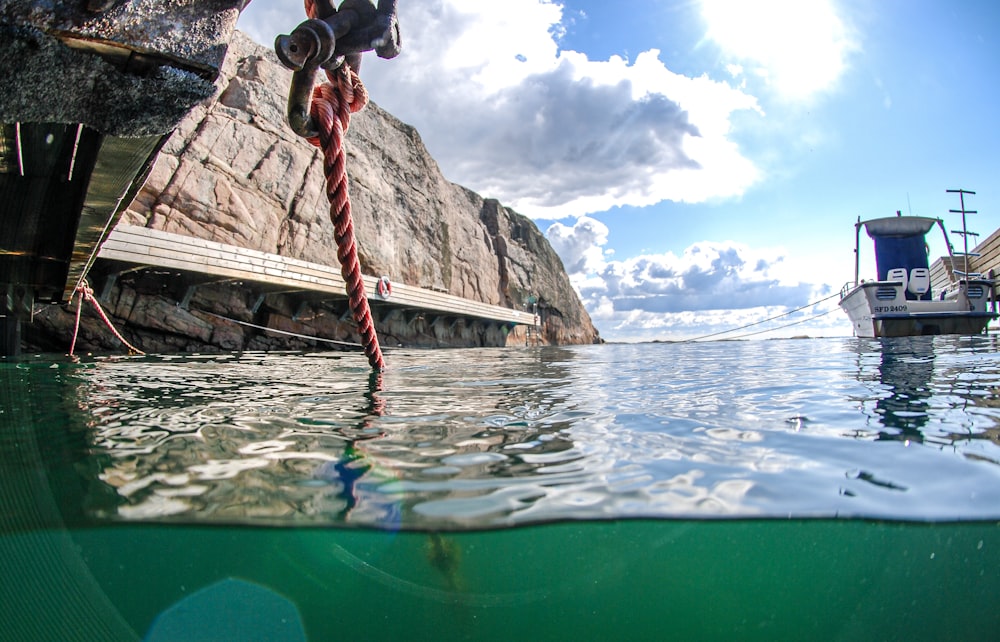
[965, 237]
[857, 253]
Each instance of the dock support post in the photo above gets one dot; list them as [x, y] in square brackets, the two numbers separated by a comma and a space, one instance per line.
[17, 302]
[109, 284]
[185, 302]
[10, 334]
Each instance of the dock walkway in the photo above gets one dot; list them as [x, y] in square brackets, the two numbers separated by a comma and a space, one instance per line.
[140, 246]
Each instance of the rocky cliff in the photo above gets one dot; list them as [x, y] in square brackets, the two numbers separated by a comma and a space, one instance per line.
[233, 172]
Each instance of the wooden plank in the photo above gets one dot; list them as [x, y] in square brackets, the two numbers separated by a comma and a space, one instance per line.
[942, 270]
[941, 273]
[989, 250]
[144, 246]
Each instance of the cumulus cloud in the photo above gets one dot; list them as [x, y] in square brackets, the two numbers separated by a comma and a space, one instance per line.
[707, 276]
[581, 246]
[547, 131]
[711, 286]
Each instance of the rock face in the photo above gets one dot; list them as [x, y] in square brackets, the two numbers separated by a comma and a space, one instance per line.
[233, 172]
[49, 34]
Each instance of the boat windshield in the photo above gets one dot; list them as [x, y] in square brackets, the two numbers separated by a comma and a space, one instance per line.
[900, 246]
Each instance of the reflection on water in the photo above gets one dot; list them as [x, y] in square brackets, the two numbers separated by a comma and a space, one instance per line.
[903, 428]
[942, 391]
[907, 369]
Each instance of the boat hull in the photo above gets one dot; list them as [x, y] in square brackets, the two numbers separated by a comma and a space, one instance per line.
[880, 309]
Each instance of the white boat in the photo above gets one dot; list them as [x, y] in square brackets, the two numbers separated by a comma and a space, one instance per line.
[900, 302]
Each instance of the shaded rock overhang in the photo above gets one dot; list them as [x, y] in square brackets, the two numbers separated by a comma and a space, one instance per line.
[89, 92]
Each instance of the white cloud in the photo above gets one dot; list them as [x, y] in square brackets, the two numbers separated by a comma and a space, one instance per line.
[548, 132]
[580, 247]
[707, 276]
[799, 47]
[710, 287]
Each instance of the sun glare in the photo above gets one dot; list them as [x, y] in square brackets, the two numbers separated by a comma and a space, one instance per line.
[797, 46]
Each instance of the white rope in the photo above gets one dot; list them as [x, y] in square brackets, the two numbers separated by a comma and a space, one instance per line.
[783, 314]
[284, 332]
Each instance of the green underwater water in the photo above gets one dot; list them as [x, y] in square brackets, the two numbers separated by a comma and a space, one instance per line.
[637, 579]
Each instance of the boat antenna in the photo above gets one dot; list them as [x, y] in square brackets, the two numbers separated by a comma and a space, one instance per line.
[909, 209]
[964, 231]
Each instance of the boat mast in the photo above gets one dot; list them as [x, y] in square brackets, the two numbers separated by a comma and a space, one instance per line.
[964, 231]
[857, 253]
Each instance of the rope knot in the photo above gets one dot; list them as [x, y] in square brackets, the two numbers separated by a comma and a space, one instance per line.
[87, 294]
[344, 95]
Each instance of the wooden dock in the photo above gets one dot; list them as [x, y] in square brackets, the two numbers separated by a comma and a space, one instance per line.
[143, 247]
[985, 260]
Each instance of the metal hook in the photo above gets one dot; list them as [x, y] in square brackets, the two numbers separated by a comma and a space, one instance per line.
[304, 51]
[326, 42]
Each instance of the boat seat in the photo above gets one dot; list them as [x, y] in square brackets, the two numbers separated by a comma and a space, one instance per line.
[897, 274]
[920, 281]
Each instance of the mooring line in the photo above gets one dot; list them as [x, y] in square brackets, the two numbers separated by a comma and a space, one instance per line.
[787, 325]
[750, 325]
[284, 332]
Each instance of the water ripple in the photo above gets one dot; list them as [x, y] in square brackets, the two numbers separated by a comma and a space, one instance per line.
[905, 429]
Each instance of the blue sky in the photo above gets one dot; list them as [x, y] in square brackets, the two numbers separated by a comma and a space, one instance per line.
[699, 165]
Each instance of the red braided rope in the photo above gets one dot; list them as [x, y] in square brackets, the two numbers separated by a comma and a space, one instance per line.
[87, 294]
[332, 106]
